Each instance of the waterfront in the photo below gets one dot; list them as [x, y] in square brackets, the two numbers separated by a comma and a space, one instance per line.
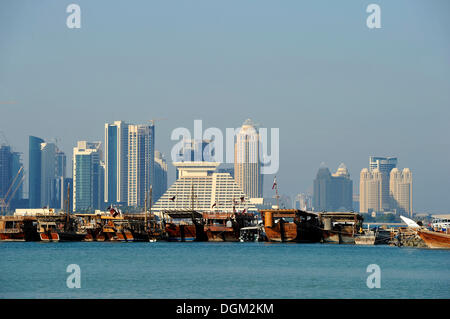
[220, 270]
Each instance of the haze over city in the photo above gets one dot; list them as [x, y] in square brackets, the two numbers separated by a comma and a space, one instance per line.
[337, 91]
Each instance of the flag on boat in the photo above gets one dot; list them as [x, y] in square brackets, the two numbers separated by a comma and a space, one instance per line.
[242, 199]
[274, 182]
[172, 198]
[214, 205]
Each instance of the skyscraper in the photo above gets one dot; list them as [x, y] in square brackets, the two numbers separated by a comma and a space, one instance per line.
[11, 176]
[333, 192]
[87, 177]
[370, 190]
[48, 174]
[116, 162]
[247, 164]
[160, 180]
[34, 171]
[5, 169]
[384, 166]
[141, 157]
[401, 190]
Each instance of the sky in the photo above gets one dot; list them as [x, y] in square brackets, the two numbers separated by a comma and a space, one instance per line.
[337, 90]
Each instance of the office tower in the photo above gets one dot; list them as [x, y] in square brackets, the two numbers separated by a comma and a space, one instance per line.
[11, 177]
[34, 171]
[370, 190]
[342, 189]
[401, 191]
[247, 165]
[201, 187]
[384, 165]
[141, 156]
[160, 180]
[48, 174]
[322, 190]
[5, 169]
[116, 162]
[333, 192]
[87, 181]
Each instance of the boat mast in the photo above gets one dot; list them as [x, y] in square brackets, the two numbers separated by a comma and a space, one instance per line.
[276, 193]
[145, 209]
[149, 206]
[68, 208]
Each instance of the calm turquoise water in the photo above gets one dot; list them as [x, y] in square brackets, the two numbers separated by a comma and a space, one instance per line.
[220, 270]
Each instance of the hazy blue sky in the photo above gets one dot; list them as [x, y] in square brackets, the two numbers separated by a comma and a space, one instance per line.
[338, 91]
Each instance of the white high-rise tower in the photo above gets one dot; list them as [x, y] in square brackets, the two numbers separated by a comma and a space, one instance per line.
[247, 165]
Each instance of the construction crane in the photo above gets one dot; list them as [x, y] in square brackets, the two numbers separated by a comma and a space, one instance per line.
[14, 187]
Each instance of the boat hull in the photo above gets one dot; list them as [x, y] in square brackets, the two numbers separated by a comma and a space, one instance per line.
[435, 240]
[15, 236]
[221, 234]
[367, 240]
[184, 233]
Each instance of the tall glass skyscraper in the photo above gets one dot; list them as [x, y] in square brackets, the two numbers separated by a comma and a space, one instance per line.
[333, 192]
[87, 177]
[116, 162]
[34, 171]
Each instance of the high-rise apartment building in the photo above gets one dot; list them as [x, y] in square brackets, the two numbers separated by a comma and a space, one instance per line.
[116, 162]
[247, 164]
[87, 177]
[47, 170]
[384, 166]
[160, 180]
[401, 191]
[141, 156]
[333, 192]
[370, 190]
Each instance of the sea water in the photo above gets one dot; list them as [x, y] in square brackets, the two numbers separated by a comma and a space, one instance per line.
[220, 270]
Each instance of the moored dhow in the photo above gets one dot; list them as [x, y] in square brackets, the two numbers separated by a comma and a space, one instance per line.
[184, 226]
[291, 225]
[435, 239]
[18, 228]
[223, 226]
[339, 227]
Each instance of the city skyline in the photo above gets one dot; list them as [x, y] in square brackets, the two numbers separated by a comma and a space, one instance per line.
[398, 199]
[338, 91]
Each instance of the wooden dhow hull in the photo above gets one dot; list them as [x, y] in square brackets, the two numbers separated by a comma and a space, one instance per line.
[438, 240]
